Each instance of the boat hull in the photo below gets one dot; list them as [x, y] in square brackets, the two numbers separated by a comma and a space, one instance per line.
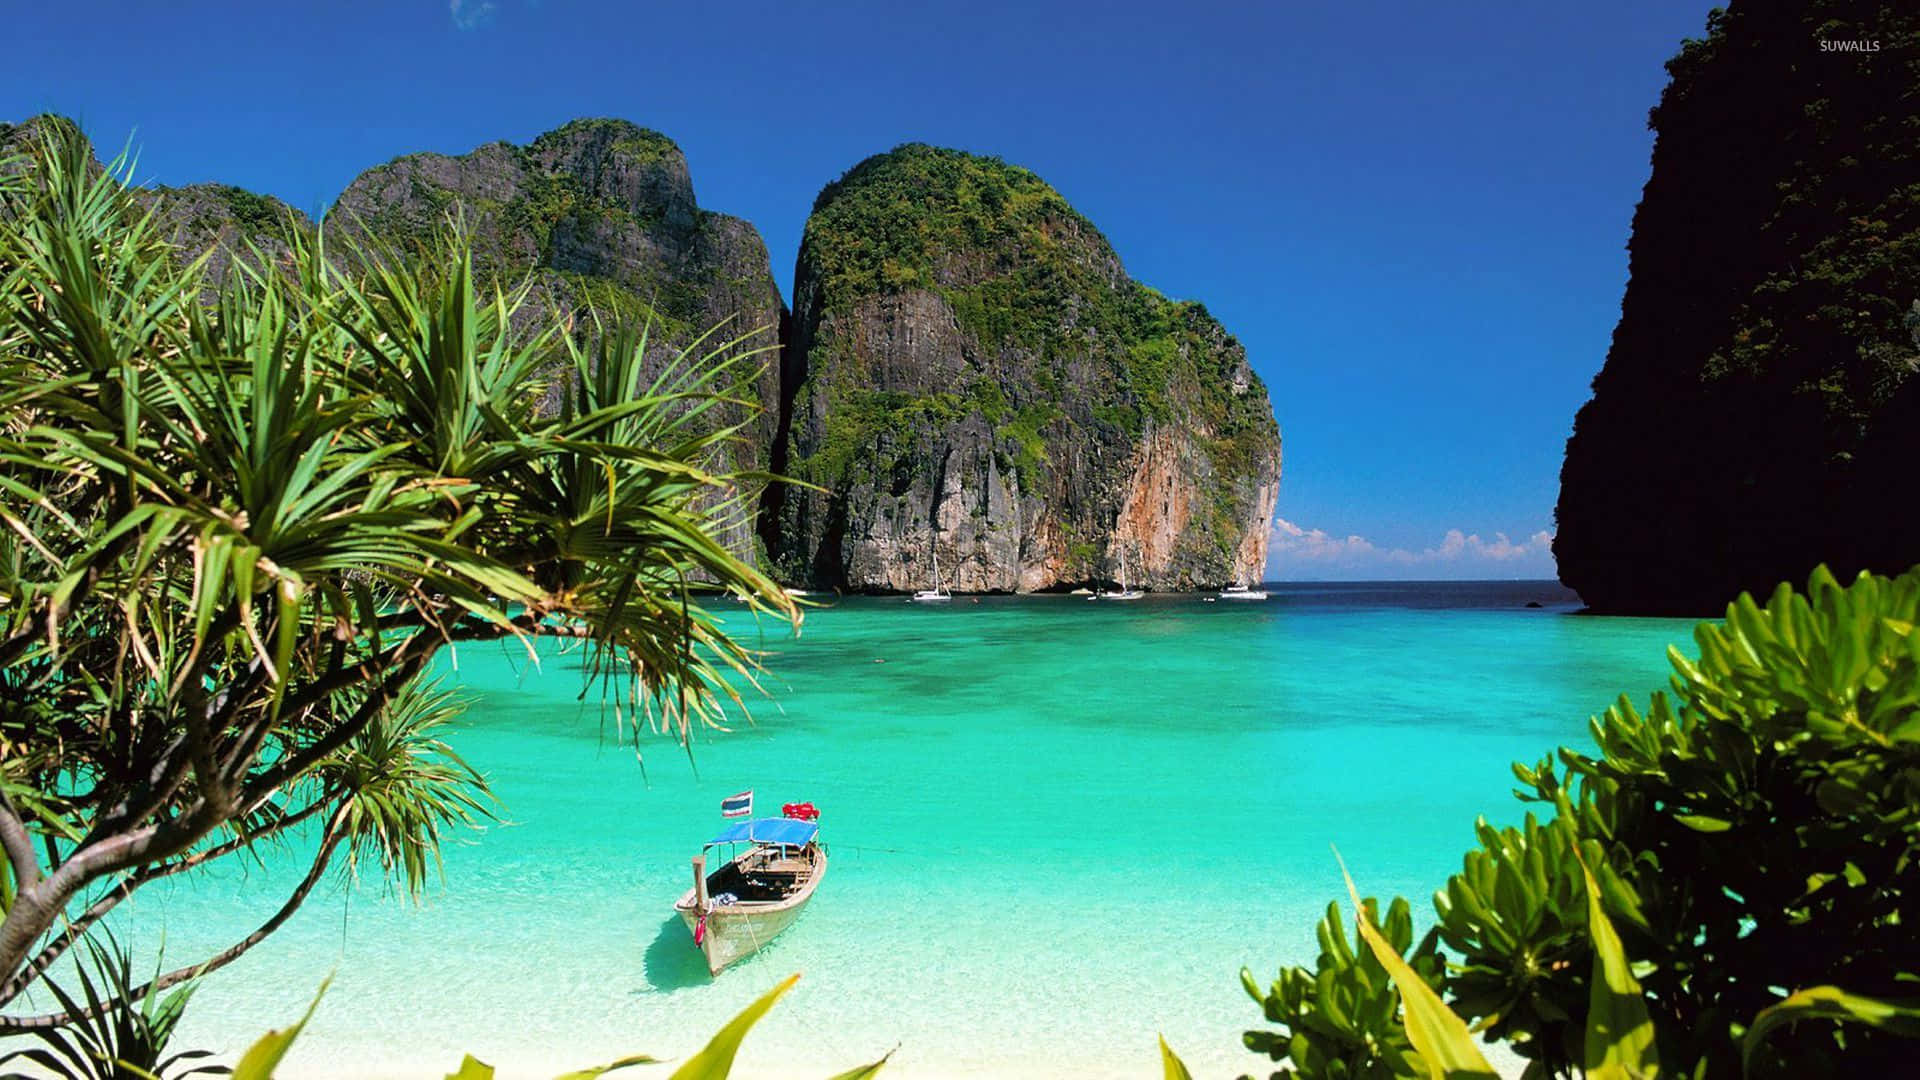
[737, 931]
[732, 936]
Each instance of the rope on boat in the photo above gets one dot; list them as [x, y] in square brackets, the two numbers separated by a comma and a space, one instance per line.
[857, 848]
[754, 934]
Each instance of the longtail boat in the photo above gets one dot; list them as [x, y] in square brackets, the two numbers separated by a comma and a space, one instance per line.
[772, 868]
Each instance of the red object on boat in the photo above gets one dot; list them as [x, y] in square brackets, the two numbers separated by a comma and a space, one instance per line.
[801, 811]
[700, 931]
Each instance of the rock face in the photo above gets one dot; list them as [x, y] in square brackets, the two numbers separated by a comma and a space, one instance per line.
[219, 221]
[600, 212]
[1758, 414]
[971, 372]
[224, 223]
[970, 369]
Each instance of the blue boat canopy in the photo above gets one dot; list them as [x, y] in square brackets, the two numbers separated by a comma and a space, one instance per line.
[771, 830]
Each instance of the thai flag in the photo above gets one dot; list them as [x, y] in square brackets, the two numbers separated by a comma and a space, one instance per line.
[740, 805]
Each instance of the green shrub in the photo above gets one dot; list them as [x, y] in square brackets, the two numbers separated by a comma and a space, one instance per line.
[1342, 1019]
[1750, 834]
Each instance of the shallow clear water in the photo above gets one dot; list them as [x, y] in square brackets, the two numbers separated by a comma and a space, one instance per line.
[1057, 828]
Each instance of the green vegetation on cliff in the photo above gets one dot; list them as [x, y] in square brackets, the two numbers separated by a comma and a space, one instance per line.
[599, 215]
[1757, 406]
[937, 287]
[604, 203]
[1022, 270]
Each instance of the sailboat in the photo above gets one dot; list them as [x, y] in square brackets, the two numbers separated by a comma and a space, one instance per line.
[1124, 593]
[935, 595]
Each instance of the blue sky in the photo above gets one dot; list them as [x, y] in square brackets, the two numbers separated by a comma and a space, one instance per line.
[1413, 215]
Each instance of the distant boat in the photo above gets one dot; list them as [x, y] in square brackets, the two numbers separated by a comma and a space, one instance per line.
[1124, 593]
[1237, 591]
[755, 894]
[935, 595]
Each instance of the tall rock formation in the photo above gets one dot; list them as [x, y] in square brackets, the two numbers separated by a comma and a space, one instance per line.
[600, 212]
[971, 367]
[1758, 414]
[971, 371]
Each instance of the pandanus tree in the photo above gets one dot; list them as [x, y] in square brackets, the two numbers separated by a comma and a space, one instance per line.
[238, 521]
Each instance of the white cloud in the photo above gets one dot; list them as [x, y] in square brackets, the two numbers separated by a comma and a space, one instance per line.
[1299, 553]
[470, 14]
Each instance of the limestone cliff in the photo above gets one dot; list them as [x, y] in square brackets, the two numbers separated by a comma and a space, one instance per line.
[600, 212]
[223, 222]
[970, 368]
[218, 221]
[1757, 413]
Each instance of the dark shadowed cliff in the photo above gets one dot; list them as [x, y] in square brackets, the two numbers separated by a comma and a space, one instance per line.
[1758, 412]
[971, 367]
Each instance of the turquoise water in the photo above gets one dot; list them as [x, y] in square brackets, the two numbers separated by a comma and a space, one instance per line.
[1057, 828]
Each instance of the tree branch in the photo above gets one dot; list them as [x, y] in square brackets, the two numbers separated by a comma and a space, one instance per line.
[126, 886]
[36, 908]
[19, 845]
[319, 690]
[298, 762]
[39, 625]
[16, 1024]
[162, 780]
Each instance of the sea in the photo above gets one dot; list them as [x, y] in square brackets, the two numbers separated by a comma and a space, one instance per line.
[1058, 829]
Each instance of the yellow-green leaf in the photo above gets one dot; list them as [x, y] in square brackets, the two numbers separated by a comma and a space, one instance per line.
[264, 1056]
[1901, 1016]
[472, 1068]
[715, 1061]
[1438, 1034]
[1619, 1042]
[864, 1071]
[602, 1070]
[1172, 1068]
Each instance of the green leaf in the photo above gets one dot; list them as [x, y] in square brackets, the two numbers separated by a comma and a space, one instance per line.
[264, 1056]
[864, 1071]
[1172, 1067]
[472, 1068]
[1619, 1043]
[1703, 823]
[1901, 1016]
[1439, 1036]
[601, 1070]
[715, 1061]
